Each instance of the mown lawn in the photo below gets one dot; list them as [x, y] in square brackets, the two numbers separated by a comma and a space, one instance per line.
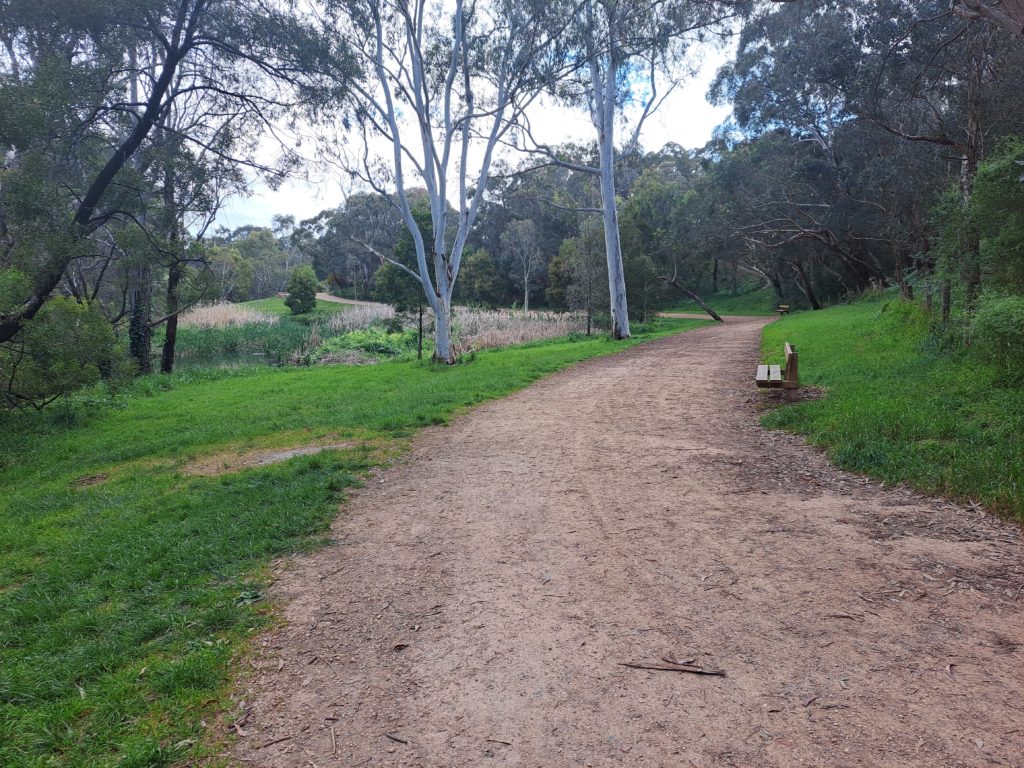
[900, 410]
[128, 587]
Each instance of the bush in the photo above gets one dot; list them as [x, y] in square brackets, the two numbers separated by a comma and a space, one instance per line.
[302, 288]
[998, 331]
[68, 345]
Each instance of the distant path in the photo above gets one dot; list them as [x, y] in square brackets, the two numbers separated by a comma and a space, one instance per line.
[483, 594]
[340, 300]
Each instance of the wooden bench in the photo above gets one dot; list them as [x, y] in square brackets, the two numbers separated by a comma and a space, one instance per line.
[786, 377]
[783, 309]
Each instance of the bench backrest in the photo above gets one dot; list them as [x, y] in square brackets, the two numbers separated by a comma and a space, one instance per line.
[791, 370]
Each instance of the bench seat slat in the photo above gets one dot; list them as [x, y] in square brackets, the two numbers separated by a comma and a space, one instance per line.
[774, 373]
[762, 375]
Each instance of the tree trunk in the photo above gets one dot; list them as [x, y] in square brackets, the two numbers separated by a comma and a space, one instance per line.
[443, 350]
[174, 275]
[604, 95]
[526, 293]
[947, 300]
[694, 297]
[906, 290]
[805, 284]
[419, 338]
[171, 329]
[714, 276]
[140, 334]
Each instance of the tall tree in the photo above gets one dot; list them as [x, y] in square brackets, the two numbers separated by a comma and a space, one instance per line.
[443, 84]
[77, 131]
[624, 46]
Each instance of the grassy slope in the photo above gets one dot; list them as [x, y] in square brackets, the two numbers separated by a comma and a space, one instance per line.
[758, 302]
[942, 423]
[122, 602]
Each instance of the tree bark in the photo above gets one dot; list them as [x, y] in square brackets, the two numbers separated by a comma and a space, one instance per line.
[443, 350]
[603, 115]
[805, 284]
[171, 329]
[140, 332]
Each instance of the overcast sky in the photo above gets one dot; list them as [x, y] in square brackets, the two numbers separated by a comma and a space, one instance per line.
[685, 118]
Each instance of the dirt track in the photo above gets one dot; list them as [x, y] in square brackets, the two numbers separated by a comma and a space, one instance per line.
[483, 594]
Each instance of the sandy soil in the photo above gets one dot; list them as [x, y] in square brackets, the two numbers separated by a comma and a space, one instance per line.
[482, 596]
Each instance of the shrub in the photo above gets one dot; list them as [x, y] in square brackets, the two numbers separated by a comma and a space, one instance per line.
[302, 288]
[998, 331]
[68, 345]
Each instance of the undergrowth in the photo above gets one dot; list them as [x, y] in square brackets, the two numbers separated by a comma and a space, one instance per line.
[903, 407]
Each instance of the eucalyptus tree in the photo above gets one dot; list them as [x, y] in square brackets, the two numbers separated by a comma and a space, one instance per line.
[623, 46]
[522, 249]
[443, 84]
[85, 93]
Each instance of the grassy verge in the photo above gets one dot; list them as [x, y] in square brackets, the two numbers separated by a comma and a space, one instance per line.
[127, 586]
[899, 410]
[757, 302]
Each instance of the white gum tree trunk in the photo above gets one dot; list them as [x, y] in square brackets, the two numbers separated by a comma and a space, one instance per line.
[493, 56]
[603, 75]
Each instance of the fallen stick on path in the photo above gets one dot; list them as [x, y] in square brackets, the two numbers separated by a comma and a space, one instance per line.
[691, 668]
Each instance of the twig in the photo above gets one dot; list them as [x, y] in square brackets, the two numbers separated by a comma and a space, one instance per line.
[396, 738]
[272, 742]
[693, 669]
[334, 742]
[499, 741]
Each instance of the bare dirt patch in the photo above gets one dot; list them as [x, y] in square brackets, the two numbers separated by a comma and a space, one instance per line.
[222, 463]
[482, 596]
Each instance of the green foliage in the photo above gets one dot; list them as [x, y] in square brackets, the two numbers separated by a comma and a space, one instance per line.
[67, 346]
[15, 287]
[997, 331]
[398, 288]
[302, 288]
[127, 586]
[479, 280]
[394, 285]
[374, 341]
[997, 211]
[944, 423]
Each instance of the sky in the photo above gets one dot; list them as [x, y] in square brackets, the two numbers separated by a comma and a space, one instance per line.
[685, 118]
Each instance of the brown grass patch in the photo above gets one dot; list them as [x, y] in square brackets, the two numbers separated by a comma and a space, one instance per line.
[222, 463]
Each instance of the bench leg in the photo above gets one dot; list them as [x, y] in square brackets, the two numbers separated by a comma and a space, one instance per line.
[792, 395]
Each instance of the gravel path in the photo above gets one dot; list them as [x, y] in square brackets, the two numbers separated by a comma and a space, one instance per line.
[484, 593]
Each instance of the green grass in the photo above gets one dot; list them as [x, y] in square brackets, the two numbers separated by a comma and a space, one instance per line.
[124, 603]
[761, 301]
[899, 409]
[277, 306]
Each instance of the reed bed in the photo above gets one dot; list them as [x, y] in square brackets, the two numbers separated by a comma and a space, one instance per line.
[357, 317]
[225, 315]
[488, 329]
